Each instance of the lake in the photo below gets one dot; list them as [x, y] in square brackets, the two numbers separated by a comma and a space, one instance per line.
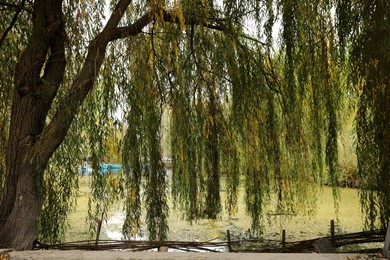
[298, 227]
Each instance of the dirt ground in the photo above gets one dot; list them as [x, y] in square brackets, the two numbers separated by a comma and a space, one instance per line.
[119, 255]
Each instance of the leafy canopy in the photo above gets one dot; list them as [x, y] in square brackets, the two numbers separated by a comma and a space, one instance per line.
[244, 108]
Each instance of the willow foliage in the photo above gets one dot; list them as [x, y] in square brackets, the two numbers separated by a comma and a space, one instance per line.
[247, 109]
[370, 59]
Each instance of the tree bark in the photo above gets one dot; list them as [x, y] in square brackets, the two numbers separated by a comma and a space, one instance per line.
[20, 228]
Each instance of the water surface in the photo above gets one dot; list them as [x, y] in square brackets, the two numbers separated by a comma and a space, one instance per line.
[298, 227]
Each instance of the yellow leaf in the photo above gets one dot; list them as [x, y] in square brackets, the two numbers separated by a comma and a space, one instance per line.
[211, 120]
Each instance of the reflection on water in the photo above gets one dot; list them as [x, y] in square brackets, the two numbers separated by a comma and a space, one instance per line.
[297, 227]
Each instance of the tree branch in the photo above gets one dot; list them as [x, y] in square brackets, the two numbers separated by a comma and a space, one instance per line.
[189, 19]
[48, 25]
[55, 132]
[136, 28]
[132, 30]
[14, 19]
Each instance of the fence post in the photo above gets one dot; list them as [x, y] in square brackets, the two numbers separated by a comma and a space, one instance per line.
[283, 238]
[332, 229]
[99, 227]
[229, 241]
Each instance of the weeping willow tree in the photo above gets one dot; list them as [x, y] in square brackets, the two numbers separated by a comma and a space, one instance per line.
[246, 108]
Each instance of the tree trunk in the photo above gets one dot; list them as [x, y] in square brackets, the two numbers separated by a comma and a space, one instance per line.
[19, 229]
[20, 203]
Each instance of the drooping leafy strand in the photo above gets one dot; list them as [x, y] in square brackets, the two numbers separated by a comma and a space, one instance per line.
[104, 185]
[132, 170]
[274, 147]
[61, 183]
[133, 145]
[142, 152]
[370, 60]
[156, 179]
[187, 167]
[212, 164]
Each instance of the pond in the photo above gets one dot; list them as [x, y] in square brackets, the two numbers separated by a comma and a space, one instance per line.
[298, 227]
